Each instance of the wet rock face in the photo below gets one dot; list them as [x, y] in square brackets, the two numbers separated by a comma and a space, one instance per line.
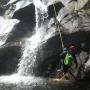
[73, 17]
[76, 28]
[51, 12]
[48, 53]
[1, 11]
[2, 6]
[26, 25]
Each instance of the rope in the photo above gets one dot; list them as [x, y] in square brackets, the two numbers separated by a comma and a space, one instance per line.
[61, 38]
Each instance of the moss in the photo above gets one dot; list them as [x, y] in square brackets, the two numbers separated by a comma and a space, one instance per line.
[87, 11]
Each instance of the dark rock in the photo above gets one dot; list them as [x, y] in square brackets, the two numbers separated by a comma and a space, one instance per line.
[51, 11]
[27, 23]
[9, 59]
[48, 53]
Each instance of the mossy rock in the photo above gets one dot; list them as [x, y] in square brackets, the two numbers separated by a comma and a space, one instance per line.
[87, 11]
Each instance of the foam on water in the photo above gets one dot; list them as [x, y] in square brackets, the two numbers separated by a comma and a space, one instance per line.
[17, 79]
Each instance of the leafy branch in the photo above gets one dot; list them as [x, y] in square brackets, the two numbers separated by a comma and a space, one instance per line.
[1, 4]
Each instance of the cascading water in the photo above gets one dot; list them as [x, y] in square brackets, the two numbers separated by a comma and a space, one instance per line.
[27, 62]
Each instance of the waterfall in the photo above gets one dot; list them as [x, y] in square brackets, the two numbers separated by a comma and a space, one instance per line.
[41, 13]
[29, 49]
[42, 34]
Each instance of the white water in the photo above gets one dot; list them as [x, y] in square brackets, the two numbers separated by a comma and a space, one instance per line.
[21, 80]
[41, 13]
[42, 34]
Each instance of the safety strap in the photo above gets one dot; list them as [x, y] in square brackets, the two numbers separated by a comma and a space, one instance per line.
[57, 23]
[63, 76]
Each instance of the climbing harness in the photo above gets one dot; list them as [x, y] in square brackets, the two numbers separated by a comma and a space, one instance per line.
[64, 75]
[57, 23]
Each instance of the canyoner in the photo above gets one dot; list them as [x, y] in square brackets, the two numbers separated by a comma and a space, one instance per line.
[68, 58]
[65, 70]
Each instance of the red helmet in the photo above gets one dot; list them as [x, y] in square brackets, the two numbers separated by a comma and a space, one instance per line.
[72, 48]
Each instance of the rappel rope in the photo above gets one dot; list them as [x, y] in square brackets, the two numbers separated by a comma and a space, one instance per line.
[62, 43]
[61, 38]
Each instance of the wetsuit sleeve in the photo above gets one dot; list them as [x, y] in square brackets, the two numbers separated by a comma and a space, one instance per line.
[61, 59]
[62, 55]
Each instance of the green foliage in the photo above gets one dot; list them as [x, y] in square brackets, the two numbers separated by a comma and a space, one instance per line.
[1, 4]
[87, 8]
[87, 11]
